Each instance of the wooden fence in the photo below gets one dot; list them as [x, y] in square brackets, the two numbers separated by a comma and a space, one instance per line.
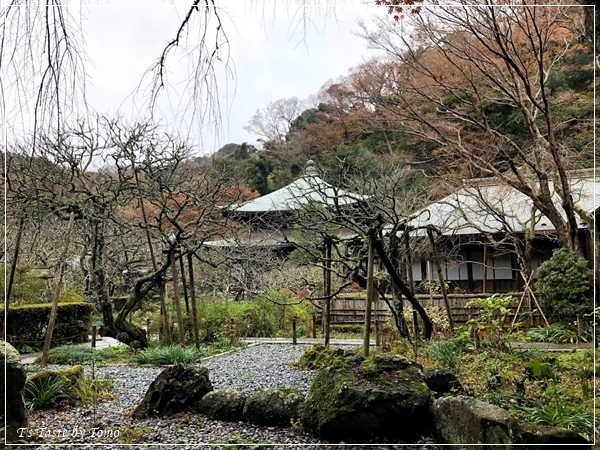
[350, 310]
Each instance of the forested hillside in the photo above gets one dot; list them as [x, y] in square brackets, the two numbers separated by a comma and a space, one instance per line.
[450, 96]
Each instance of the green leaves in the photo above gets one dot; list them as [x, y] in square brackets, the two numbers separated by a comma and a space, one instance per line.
[43, 393]
[564, 282]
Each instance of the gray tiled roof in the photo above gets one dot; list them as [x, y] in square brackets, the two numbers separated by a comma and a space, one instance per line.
[472, 209]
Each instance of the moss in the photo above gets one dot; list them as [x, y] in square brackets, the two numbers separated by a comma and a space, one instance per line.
[319, 357]
[10, 354]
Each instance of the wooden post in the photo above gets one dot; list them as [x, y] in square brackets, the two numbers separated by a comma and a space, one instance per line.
[294, 336]
[327, 291]
[185, 291]
[314, 326]
[57, 288]
[369, 299]
[485, 262]
[94, 334]
[438, 265]
[148, 329]
[193, 298]
[176, 296]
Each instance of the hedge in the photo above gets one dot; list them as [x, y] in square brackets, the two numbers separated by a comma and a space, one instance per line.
[27, 323]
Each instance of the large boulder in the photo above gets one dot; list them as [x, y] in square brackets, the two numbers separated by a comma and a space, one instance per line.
[274, 407]
[223, 404]
[177, 388]
[11, 398]
[73, 382]
[469, 421]
[382, 396]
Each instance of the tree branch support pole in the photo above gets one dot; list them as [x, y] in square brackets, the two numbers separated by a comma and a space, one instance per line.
[57, 288]
[171, 253]
[438, 265]
[193, 299]
[369, 299]
[327, 291]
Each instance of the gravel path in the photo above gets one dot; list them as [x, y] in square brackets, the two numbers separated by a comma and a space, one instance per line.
[247, 370]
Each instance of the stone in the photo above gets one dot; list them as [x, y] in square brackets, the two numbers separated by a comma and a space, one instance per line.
[177, 388]
[467, 420]
[226, 405]
[274, 407]
[441, 381]
[538, 436]
[72, 378]
[319, 356]
[384, 396]
[12, 398]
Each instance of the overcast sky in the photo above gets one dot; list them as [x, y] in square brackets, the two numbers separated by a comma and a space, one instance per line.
[272, 57]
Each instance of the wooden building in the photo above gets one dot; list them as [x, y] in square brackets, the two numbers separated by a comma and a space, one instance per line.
[480, 225]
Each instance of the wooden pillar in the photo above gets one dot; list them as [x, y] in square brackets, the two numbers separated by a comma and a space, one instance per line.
[193, 299]
[369, 299]
[485, 262]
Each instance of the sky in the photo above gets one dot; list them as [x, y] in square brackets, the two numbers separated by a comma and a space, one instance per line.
[273, 53]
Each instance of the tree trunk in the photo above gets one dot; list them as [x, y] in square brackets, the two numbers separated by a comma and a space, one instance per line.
[327, 292]
[193, 299]
[438, 265]
[57, 288]
[378, 246]
[368, 300]
[176, 298]
[15, 259]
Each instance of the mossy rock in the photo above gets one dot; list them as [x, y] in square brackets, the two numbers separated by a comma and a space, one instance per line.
[537, 437]
[274, 407]
[223, 404]
[381, 397]
[319, 356]
[74, 385]
[12, 380]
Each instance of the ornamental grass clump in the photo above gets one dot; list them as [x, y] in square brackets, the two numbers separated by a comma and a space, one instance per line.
[172, 354]
[43, 393]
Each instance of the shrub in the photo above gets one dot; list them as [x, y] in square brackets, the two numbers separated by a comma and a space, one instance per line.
[76, 354]
[564, 283]
[26, 325]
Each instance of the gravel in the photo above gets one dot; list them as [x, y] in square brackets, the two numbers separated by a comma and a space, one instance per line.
[110, 424]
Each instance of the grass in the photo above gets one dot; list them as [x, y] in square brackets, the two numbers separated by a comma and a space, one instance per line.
[172, 354]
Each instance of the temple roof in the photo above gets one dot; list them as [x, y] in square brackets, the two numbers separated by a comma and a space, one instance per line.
[488, 205]
[309, 188]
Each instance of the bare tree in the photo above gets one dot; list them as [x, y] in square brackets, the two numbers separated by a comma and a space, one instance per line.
[273, 122]
[453, 66]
